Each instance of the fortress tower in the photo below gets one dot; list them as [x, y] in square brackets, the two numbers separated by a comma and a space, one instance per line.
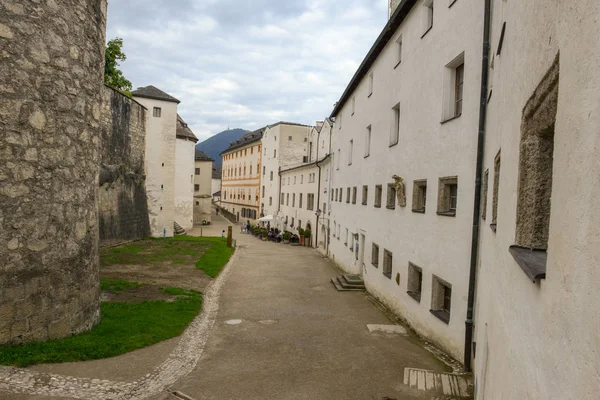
[50, 83]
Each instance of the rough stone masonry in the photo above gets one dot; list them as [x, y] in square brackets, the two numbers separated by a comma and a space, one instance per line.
[51, 65]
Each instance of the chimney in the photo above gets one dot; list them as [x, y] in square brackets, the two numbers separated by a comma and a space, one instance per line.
[393, 4]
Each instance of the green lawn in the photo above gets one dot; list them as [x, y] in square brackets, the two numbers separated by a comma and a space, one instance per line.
[107, 285]
[124, 327]
[209, 254]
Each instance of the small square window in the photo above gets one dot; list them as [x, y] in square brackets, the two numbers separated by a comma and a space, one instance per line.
[441, 299]
[157, 112]
[391, 197]
[197, 171]
[365, 195]
[375, 255]
[354, 192]
[289, 138]
[419, 195]
[448, 196]
[378, 194]
[196, 188]
[387, 263]
[415, 281]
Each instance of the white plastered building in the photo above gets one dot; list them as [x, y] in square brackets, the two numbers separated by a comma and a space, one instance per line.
[185, 148]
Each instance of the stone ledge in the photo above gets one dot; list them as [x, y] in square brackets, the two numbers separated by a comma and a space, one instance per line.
[531, 261]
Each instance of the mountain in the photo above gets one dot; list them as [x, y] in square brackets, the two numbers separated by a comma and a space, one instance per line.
[219, 142]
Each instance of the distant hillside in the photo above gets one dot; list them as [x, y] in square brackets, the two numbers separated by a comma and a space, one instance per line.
[219, 142]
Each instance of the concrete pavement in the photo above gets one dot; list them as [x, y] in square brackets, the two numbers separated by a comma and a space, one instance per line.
[284, 332]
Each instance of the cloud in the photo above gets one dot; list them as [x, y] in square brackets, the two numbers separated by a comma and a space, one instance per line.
[246, 63]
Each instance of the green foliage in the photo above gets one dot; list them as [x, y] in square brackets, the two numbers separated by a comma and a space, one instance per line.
[155, 251]
[124, 327]
[112, 286]
[215, 257]
[287, 235]
[307, 234]
[300, 232]
[113, 76]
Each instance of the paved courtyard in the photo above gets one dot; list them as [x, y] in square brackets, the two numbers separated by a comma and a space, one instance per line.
[273, 328]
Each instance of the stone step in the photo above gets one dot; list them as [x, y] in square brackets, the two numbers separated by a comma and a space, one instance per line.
[178, 229]
[342, 286]
[354, 280]
[457, 386]
[344, 283]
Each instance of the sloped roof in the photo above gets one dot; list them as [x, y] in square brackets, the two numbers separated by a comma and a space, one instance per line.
[151, 92]
[183, 130]
[201, 156]
[287, 123]
[248, 138]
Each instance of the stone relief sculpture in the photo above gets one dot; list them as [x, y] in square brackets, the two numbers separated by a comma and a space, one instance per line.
[400, 192]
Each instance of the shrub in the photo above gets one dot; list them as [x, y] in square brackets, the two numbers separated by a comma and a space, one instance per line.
[286, 235]
[301, 231]
[307, 234]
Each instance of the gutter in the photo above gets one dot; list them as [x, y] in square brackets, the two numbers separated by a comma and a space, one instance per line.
[478, 179]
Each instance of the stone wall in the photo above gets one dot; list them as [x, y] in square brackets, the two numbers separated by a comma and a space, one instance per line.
[51, 66]
[122, 201]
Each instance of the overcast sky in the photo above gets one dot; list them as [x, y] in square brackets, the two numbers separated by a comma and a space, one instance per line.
[246, 63]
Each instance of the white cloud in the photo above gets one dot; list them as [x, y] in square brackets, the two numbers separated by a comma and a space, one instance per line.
[246, 64]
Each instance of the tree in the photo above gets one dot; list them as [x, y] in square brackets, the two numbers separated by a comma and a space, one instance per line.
[113, 76]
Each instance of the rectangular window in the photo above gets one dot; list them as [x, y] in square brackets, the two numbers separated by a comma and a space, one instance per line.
[354, 192]
[419, 195]
[391, 197]
[484, 195]
[353, 105]
[310, 200]
[324, 208]
[453, 88]
[365, 195]
[448, 196]
[387, 263]
[415, 281]
[282, 197]
[496, 189]
[398, 50]
[375, 255]
[196, 188]
[197, 171]
[368, 141]
[287, 199]
[274, 153]
[378, 194]
[458, 89]
[346, 240]
[348, 195]
[271, 173]
[441, 299]
[395, 130]
[370, 84]
[294, 200]
[263, 192]
[270, 201]
[157, 112]
[333, 192]
[339, 157]
[350, 151]
[300, 201]
[264, 171]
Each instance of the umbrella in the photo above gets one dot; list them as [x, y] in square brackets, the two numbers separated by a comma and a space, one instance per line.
[265, 219]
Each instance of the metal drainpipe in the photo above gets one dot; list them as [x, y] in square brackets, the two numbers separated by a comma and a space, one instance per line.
[478, 177]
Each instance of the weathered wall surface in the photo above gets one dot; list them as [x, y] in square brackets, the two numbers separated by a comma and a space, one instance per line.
[543, 336]
[122, 200]
[203, 196]
[50, 84]
[184, 182]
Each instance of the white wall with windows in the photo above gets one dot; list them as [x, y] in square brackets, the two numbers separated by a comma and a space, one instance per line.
[541, 333]
[404, 122]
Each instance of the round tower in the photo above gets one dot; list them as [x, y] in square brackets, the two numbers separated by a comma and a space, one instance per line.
[51, 76]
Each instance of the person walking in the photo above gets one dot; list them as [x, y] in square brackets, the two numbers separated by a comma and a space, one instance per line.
[248, 227]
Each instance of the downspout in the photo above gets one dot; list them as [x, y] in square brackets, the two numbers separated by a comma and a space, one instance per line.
[478, 178]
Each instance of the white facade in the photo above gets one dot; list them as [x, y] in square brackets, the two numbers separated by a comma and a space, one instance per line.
[160, 164]
[402, 119]
[184, 182]
[203, 189]
[541, 340]
[284, 145]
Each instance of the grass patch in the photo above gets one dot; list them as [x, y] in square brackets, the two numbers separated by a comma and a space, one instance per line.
[209, 254]
[124, 327]
[112, 286]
